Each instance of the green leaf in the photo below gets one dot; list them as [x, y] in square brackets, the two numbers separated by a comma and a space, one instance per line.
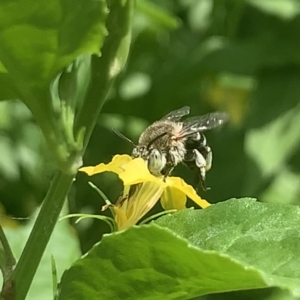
[72, 83]
[255, 50]
[263, 235]
[38, 40]
[7, 88]
[285, 9]
[286, 180]
[63, 246]
[235, 245]
[157, 15]
[149, 262]
[277, 92]
[283, 127]
[271, 119]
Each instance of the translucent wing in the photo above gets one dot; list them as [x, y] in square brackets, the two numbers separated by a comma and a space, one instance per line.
[202, 123]
[177, 114]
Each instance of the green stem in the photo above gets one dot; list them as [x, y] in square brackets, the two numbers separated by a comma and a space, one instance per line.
[44, 114]
[108, 220]
[10, 260]
[41, 233]
[147, 220]
[7, 264]
[57, 129]
[108, 66]
[54, 277]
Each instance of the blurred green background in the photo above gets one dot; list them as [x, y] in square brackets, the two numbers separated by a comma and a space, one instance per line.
[242, 57]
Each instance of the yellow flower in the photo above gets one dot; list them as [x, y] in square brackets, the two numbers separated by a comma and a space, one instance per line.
[142, 190]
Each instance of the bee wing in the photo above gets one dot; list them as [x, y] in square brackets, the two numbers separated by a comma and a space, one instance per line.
[202, 123]
[177, 114]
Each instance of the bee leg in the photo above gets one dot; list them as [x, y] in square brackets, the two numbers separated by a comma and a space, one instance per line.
[168, 172]
[208, 158]
[201, 163]
[171, 158]
[202, 182]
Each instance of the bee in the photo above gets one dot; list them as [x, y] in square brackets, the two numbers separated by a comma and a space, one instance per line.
[170, 141]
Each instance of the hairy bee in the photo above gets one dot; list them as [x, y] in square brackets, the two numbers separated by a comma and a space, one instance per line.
[170, 141]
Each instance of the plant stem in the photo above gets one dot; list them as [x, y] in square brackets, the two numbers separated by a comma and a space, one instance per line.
[7, 265]
[10, 260]
[108, 66]
[44, 114]
[40, 234]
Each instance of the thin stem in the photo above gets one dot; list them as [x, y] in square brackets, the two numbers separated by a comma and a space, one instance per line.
[104, 197]
[162, 213]
[7, 265]
[41, 233]
[10, 260]
[54, 277]
[108, 220]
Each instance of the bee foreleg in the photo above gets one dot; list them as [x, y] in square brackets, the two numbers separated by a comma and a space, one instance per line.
[202, 164]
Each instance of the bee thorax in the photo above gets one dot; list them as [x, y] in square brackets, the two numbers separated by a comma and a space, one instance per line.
[165, 129]
[176, 154]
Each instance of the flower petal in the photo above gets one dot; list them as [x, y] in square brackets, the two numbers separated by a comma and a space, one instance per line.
[181, 185]
[173, 198]
[117, 165]
[136, 171]
[131, 210]
[120, 217]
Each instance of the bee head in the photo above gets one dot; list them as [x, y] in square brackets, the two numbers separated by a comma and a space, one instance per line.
[140, 151]
[156, 160]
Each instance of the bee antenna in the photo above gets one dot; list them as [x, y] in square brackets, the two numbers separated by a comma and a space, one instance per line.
[119, 134]
[155, 139]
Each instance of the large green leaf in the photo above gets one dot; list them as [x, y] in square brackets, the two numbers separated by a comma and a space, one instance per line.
[63, 246]
[38, 39]
[262, 235]
[235, 245]
[7, 88]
